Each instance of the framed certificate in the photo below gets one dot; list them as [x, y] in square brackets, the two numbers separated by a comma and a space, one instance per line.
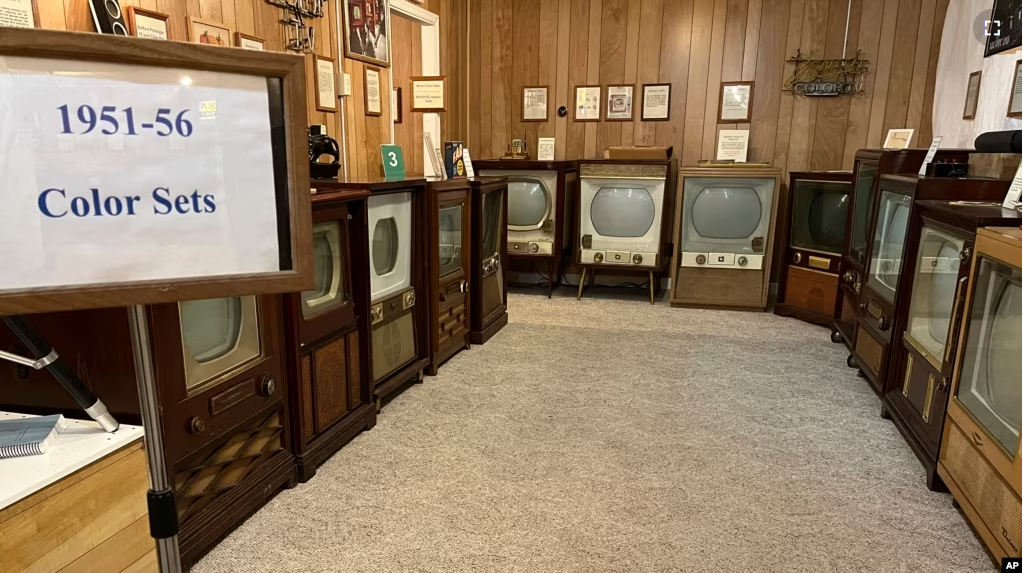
[898, 139]
[249, 42]
[428, 93]
[146, 23]
[1016, 96]
[373, 105]
[733, 144]
[326, 91]
[619, 103]
[972, 95]
[19, 13]
[534, 103]
[656, 102]
[736, 102]
[587, 103]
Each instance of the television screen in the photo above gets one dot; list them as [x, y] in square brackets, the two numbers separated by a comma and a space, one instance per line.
[329, 291]
[491, 220]
[889, 239]
[726, 212]
[529, 203]
[1003, 32]
[385, 246]
[819, 212]
[622, 211]
[989, 385]
[450, 240]
[861, 210]
[218, 335]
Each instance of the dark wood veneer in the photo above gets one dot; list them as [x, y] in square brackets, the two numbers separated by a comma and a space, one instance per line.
[449, 297]
[488, 313]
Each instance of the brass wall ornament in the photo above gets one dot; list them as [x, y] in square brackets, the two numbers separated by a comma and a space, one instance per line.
[813, 77]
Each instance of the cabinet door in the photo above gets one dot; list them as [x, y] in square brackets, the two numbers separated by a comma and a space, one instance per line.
[453, 267]
[490, 247]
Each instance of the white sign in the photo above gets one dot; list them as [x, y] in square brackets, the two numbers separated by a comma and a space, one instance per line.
[1012, 198]
[428, 94]
[326, 94]
[534, 104]
[373, 105]
[931, 152]
[545, 149]
[587, 103]
[467, 162]
[250, 44]
[109, 175]
[898, 138]
[151, 28]
[17, 14]
[656, 102]
[733, 144]
[619, 102]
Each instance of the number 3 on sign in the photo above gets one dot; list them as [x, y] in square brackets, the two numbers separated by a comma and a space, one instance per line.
[393, 161]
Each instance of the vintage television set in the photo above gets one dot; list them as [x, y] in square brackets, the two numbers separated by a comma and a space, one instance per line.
[868, 167]
[818, 209]
[724, 232]
[488, 298]
[398, 237]
[980, 459]
[940, 241]
[623, 223]
[327, 335]
[539, 212]
[877, 317]
[448, 217]
[221, 379]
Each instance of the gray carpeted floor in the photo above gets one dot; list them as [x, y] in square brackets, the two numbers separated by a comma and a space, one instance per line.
[612, 435]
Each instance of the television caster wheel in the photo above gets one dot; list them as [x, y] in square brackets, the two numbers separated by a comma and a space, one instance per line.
[837, 337]
[851, 362]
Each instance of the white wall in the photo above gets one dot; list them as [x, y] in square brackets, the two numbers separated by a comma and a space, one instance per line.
[961, 54]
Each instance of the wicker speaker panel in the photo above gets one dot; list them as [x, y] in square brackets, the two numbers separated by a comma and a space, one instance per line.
[870, 350]
[331, 373]
[394, 345]
[307, 398]
[217, 472]
[993, 499]
[354, 379]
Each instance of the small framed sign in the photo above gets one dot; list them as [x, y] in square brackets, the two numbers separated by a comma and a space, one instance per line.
[656, 102]
[587, 103]
[249, 42]
[428, 93]
[735, 104]
[396, 113]
[146, 23]
[534, 103]
[19, 13]
[326, 89]
[972, 96]
[619, 103]
[210, 33]
[374, 107]
[898, 139]
[1016, 95]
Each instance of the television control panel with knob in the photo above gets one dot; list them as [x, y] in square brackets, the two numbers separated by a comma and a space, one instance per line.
[722, 261]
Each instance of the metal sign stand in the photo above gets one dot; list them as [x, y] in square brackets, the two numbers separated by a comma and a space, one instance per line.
[163, 514]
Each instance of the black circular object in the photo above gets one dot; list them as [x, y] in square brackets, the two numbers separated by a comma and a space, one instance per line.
[113, 8]
[119, 29]
[562, 111]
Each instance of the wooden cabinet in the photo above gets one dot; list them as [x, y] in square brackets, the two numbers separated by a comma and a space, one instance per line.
[488, 292]
[449, 232]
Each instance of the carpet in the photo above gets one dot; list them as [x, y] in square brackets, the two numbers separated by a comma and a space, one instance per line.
[611, 435]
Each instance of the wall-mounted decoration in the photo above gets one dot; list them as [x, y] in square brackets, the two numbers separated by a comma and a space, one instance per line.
[18, 13]
[972, 96]
[1016, 95]
[374, 106]
[326, 89]
[587, 103]
[733, 144]
[396, 114]
[366, 31]
[107, 17]
[428, 93]
[147, 23]
[534, 103]
[813, 77]
[898, 139]
[299, 37]
[735, 102]
[249, 42]
[656, 102]
[212, 33]
[1003, 32]
[619, 103]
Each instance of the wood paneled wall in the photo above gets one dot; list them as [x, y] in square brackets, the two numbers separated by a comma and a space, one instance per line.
[695, 45]
[406, 44]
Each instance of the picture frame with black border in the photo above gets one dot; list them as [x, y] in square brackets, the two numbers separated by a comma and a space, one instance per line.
[666, 106]
[374, 108]
[620, 101]
[530, 92]
[745, 88]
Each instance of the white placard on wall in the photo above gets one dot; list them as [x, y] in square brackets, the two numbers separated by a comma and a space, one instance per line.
[17, 14]
[114, 173]
[733, 144]
[326, 93]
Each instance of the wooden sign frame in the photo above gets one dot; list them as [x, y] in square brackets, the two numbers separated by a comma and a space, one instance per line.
[292, 187]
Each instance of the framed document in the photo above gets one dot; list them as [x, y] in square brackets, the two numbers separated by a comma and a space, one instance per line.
[428, 93]
[972, 95]
[898, 139]
[619, 103]
[373, 104]
[396, 105]
[736, 102]
[534, 103]
[211, 33]
[733, 144]
[19, 13]
[326, 91]
[656, 102]
[249, 42]
[587, 103]
[365, 30]
[1016, 96]
[146, 23]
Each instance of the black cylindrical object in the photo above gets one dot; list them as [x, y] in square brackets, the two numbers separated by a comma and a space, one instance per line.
[999, 142]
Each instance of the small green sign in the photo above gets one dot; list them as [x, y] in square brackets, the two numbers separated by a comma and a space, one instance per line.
[394, 161]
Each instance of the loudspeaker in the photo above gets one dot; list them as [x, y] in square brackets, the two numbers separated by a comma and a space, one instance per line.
[107, 16]
[999, 142]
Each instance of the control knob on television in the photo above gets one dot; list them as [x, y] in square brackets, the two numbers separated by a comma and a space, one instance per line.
[267, 386]
[849, 277]
[196, 426]
[796, 258]
[701, 259]
[742, 261]
[637, 258]
[884, 323]
[533, 247]
[598, 257]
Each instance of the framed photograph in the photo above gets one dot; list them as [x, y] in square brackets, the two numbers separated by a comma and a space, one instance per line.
[326, 87]
[1003, 29]
[1016, 95]
[146, 23]
[427, 93]
[534, 103]
[972, 95]
[656, 102]
[19, 13]
[249, 42]
[374, 106]
[587, 103]
[211, 33]
[619, 103]
[366, 31]
[735, 105]
[396, 105]
[898, 139]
